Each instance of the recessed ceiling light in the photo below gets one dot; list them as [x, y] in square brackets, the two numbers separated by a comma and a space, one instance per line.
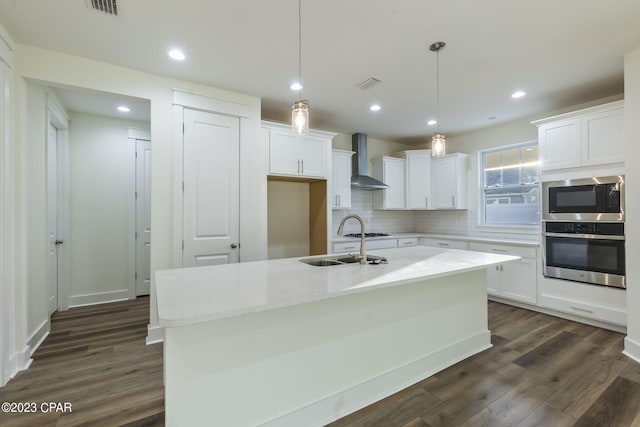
[432, 122]
[375, 107]
[518, 94]
[296, 86]
[177, 54]
[124, 109]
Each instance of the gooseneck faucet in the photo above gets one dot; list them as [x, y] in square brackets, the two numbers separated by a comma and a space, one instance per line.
[363, 250]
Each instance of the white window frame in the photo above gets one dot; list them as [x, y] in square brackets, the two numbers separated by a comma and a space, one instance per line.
[507, 228]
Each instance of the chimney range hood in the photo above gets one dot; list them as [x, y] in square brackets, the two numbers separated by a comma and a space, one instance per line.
[360, 179]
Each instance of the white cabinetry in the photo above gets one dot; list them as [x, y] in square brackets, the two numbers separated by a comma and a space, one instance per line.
[341, 165]
[449, 188]
[515, 280]
[298, 155]
[444, 243]
[417, 178]
[391, 171]
[593, 136]
[342, 247]
[407, 242]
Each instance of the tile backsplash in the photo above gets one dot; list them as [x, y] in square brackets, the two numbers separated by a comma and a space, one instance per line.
[458, 222]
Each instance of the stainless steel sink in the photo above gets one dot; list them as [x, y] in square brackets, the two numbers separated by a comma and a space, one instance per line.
[342, 260]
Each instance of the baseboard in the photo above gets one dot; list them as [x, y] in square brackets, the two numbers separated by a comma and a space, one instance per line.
[155, 334]
[364, 394]
[631, 349]
[100, 298]
[561, 314]
[38, 337]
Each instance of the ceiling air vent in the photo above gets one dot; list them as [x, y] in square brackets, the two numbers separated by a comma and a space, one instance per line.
[367, 83]
[107, 6]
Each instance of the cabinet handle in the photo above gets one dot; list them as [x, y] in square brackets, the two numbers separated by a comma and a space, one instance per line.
[443, 244]
[302, 161]
[426, 202]
[501, 268]
[349, 247]
[453, 201]
[581, 309]
[339, 201]
[499, 250]
[298, 167]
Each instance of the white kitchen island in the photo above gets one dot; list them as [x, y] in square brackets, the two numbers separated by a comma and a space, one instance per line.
[283, 343]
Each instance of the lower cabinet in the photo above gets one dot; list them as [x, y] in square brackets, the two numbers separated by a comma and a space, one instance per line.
[515, 280]
[354, 246]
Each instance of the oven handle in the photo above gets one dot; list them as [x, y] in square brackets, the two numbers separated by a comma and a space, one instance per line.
[584, 236]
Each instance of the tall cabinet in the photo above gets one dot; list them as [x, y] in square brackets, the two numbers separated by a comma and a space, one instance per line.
[417, 178]
[341, 166]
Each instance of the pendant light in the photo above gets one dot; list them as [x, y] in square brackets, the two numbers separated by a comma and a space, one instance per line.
[300, 109]
[438, 140]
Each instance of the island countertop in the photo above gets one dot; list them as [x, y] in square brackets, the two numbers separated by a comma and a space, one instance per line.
[188, 296]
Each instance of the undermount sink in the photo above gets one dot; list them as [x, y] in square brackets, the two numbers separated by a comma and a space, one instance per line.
[341, 260]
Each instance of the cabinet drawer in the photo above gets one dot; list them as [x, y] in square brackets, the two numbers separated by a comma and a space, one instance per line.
[521, 251]
[578, 308]
[382, 244]
[403, 243]
[445, 243]
[370, 244]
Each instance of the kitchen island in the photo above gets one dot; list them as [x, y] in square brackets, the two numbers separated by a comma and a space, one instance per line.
[284, 343]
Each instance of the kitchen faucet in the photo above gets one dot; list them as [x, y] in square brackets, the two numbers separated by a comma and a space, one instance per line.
[363, 250]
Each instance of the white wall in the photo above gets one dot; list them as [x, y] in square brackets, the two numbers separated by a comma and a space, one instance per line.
[101, 187]
[288, 219]
[632, 153]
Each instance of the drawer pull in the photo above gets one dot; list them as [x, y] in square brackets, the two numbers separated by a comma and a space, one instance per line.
[581, 309]
[443, 244]
[349, 247]
[499, 250]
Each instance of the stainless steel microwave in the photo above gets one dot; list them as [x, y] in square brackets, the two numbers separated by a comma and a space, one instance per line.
[589, 199]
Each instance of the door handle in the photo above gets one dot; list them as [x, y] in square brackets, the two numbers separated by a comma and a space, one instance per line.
[234, 245]
[59, 242]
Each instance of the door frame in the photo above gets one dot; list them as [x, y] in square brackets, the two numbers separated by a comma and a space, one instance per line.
[134, 134]
[57, 116]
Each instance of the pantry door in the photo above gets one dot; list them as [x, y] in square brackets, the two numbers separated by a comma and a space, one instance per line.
[211, 187]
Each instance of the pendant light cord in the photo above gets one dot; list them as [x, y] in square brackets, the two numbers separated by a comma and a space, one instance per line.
[438, 90]
[300, 48]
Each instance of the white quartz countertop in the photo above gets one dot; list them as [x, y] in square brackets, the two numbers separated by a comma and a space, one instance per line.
[189, 296]
[479, 239]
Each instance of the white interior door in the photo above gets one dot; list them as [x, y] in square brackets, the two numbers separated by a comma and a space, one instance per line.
[143, 217]
[211, 184]
[52, 219]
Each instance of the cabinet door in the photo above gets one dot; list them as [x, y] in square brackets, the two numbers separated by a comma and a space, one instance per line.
[341, 164]
[419, 180]
[602, 137]
[391, 171]
[284, 153]
[493, 280]
[518, 280]
[444, 183]
[560, 144]
[312, 155]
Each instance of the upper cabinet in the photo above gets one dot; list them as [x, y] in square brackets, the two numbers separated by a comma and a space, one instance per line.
[391, 171]
[417, 178]
[449, 179]
[303, 156]
[341, 164]
[593, 136]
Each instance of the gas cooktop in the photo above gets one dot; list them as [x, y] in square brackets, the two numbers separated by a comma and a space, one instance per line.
[367, 235]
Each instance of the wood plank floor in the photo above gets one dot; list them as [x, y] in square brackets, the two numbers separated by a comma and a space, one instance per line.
[542, 371]
[96, 359]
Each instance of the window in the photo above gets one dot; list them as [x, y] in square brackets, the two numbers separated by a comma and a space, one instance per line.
[510, 185]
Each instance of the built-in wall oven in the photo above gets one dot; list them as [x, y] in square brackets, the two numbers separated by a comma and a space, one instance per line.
[583, 230]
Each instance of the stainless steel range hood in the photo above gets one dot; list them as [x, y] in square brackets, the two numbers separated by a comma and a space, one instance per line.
[360, 166]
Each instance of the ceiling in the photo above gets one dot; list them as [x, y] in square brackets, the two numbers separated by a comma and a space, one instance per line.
[103, 103]
[562, 53]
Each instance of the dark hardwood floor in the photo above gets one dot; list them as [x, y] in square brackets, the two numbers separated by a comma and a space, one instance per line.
[542, 371]
[95, 358]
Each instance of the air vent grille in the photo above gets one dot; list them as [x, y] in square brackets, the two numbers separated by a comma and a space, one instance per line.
[367, 83]
[109, 7]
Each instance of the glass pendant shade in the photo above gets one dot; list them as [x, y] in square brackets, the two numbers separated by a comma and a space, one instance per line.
[437, 145]
[300, 117]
